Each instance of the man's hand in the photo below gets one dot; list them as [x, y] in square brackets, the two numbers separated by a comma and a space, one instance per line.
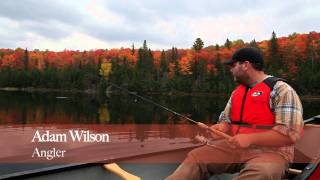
[223, 127]
[240, 141]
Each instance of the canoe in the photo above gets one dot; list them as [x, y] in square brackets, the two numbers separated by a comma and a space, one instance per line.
[159, 164]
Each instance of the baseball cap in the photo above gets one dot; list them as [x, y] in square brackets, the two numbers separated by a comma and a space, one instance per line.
[251, 54]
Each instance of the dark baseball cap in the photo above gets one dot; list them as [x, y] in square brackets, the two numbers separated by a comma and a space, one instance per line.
[251, 54]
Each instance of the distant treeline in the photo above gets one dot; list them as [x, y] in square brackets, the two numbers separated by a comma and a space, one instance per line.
[52, 78]
[195, 70]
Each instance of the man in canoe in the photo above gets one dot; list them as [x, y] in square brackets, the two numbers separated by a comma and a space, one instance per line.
[263, 117]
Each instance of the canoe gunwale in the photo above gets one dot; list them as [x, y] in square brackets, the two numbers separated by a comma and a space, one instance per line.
[61, 168]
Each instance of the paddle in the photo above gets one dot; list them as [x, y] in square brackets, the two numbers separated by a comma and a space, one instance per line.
[113, 167]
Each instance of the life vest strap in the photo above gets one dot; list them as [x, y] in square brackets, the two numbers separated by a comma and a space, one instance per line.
[271, 81]
[242, 124]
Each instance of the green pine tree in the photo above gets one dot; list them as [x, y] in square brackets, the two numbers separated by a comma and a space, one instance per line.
[198, 45]
[132, 49]
[26, 59]
[227, 44]
[253, 43]
[275, 61]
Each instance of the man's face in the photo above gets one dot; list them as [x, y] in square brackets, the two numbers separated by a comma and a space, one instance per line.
[238, 71]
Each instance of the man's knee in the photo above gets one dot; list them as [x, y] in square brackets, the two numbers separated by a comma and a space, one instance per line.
[272, 170]
[206, 154]
[187, 171]
[197, 155]
[263, 171]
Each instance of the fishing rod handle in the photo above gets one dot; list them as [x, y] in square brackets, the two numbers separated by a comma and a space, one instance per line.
[222, 134]
[204, 126]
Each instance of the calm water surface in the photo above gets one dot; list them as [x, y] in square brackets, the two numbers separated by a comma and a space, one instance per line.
[63, 108]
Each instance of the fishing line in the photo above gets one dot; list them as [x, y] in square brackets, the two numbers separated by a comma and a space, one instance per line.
[154, 103]
[202, 125]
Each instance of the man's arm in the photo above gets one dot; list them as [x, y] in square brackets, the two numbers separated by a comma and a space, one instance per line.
[224, 122]
[225, 116]
[269, 138]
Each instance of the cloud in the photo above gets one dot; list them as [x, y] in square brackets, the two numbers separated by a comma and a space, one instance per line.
[50, 19]
[162, 23]
[9, 33]
[76, 40]
[40, 11]
[297, 17]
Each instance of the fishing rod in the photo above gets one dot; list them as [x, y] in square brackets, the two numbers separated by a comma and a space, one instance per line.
[200, 124]
[113, 167]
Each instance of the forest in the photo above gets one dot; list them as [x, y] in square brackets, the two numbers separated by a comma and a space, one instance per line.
[196, 70]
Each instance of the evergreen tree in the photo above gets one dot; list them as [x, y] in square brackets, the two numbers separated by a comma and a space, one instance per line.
[253, 43]
[132, 49]
[310, 51]
[198, 45]
[227, 44]
[218, 66]
[145, 59]
[145, 47]
[217, 62]
[177, 69]
[199, 74]
[163, 62]
[174, 54]
[217, 47]
[275, 61]
[145, 73]
[274, 46]
[163, 70]
[26, 59]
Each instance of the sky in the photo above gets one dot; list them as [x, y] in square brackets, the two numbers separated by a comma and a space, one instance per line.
[105, 24]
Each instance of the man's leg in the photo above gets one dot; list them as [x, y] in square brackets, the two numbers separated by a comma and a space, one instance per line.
[263, 166]
[204, 161]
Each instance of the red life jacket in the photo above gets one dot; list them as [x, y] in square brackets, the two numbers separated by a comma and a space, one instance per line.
[251, 107]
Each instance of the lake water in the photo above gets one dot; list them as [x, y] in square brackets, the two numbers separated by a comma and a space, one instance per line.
[64, 108]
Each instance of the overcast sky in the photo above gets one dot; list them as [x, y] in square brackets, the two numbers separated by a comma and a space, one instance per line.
[95, 24]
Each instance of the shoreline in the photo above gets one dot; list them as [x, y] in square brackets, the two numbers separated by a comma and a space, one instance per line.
[44, 90]
[93, 91]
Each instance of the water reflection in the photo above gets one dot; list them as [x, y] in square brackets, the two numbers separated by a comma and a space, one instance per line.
[57, 108]
[38, 108]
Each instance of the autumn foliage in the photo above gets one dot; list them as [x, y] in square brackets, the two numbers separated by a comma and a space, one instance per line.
[192, 67]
